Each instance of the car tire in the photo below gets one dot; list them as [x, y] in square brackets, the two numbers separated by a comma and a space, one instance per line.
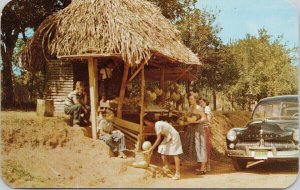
[239, 164]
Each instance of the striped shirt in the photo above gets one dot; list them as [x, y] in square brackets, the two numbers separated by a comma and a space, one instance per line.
[69, 100]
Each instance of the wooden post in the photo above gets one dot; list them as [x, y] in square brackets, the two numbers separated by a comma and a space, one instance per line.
[122, 90]
[162, 84]
[141, 129]
[136, 72]
[93, 80]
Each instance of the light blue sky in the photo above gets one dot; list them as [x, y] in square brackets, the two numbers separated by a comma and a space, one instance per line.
[239, 17]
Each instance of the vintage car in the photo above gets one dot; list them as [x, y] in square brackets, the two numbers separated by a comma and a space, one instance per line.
[271, 134]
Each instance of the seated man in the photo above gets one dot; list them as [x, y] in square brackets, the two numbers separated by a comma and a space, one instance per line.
[76, 105]
[115, 139]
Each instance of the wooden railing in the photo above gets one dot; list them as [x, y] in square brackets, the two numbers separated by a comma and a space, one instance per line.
[131, 130]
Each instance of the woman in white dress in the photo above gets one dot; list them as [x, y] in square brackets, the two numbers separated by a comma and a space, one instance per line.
[171, 144]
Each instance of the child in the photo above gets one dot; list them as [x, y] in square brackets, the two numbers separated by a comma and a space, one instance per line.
[115, 139]
[171, 145]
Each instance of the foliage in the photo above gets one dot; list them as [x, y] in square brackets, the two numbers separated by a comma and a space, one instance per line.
[28, 87]
[17, 17]
[200, 33]
[175, 10]
[265, 69]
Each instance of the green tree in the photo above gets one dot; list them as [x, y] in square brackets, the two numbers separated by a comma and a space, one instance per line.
[17, 17]
[265, 69]
[175, 10]
[201, 35]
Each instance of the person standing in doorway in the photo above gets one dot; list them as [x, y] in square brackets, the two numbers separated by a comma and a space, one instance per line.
[106, 82]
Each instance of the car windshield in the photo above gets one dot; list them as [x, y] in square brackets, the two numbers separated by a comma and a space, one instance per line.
[276, 109]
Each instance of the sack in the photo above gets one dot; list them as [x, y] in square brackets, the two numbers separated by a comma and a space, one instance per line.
[142, 160]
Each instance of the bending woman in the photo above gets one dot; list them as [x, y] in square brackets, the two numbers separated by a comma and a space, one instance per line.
[170, 146]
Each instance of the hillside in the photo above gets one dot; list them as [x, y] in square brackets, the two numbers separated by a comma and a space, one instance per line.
[46, 152]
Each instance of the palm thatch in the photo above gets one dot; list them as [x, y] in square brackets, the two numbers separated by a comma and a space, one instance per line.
[135, 29]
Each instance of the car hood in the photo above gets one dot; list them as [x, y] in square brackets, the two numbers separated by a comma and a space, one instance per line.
[269, 129]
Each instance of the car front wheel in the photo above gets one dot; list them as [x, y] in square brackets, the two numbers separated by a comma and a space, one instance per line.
[239, 164]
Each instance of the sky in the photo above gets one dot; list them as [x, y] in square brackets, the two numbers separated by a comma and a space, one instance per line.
[239, 17]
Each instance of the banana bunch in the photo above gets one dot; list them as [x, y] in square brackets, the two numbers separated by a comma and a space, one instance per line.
[158, 91]
[191, 119]
[168, 95]
[186, 120]
[129, 86]
[175, 96]
[151, 96]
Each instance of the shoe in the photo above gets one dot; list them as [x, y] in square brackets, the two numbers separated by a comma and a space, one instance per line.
[166, 168]
[176, 177]
[200, 172]
[208, 167]
[115, 150]
[76, 125]
[87, 123]
[122, 155]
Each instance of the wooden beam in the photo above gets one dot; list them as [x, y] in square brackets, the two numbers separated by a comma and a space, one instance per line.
[136, 72]
[89, 55]
[93, 81]
[127, 124]
[156, 65]
[122, 90]
[141, 137]
[172, 60]
[183, 73]
[162, 83]
[162, 77]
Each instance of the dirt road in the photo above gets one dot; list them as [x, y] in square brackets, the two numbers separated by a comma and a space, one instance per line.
[45, 152]
[223, 175]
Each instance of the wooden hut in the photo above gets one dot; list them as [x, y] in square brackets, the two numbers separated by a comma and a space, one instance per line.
[133, 33]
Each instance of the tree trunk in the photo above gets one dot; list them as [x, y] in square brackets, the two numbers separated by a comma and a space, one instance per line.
[9, 41]
[7, 95]
[214, 100]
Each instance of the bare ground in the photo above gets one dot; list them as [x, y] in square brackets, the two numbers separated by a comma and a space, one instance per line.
[46, 152]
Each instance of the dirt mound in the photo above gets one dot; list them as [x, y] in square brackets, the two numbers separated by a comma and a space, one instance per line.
[45, 152]
[221, 123]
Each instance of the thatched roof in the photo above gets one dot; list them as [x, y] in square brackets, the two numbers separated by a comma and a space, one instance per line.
[136, 29]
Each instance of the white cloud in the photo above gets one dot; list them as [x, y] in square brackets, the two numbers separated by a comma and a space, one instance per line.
[296, 3]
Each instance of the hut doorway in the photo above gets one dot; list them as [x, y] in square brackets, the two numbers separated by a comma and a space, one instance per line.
[80, 73]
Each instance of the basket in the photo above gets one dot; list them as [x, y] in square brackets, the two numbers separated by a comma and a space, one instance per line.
[142, 160]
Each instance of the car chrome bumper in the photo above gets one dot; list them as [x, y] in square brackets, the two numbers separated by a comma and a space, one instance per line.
[263, 154]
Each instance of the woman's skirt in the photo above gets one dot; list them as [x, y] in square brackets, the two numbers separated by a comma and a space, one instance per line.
[171, 146]
[208, 145]
[194, 144]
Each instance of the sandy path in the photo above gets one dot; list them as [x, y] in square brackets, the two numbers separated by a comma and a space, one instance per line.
[45, 152]
[262, 175]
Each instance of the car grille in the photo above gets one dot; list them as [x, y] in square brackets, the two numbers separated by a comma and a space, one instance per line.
[277, 145]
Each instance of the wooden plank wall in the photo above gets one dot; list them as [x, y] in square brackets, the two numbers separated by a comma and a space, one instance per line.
[60, 81]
